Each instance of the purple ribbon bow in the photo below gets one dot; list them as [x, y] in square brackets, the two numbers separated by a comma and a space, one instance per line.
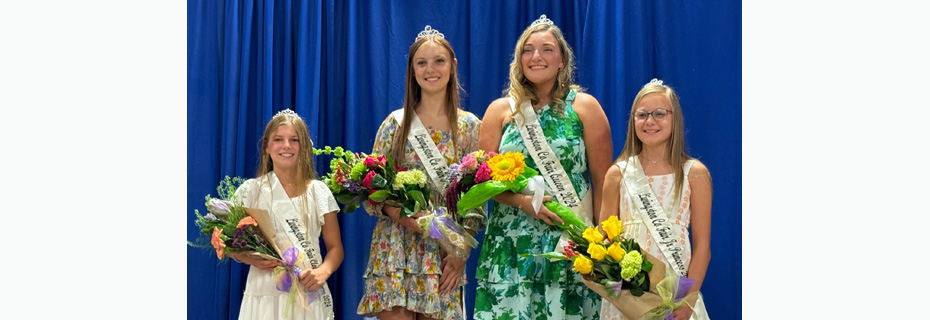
[441, 219]
[293, 272]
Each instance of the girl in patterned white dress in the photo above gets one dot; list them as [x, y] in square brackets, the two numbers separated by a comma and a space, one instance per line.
[682, 185]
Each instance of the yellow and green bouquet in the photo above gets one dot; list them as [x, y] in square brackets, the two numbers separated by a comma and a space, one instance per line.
[635, 282]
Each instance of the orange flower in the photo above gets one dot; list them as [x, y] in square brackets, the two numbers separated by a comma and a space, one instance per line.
[217, 242]
[246, 221]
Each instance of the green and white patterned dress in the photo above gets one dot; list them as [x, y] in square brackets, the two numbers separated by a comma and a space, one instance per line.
[511, 287]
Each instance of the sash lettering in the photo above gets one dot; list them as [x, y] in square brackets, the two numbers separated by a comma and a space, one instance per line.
[435, 162]
[655, 218]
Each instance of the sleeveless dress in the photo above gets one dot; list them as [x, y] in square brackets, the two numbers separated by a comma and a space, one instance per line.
[679, 210]
[261, 300]
[403, 266]
[511, 287]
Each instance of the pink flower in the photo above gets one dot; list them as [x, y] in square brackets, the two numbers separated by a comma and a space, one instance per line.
[399, 169]
[469, 162]
[382, 161]
[367, 181]
[246, 221]
[371, 162]
[483, 174]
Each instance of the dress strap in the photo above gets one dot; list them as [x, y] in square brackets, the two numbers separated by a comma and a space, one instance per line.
[688, 165]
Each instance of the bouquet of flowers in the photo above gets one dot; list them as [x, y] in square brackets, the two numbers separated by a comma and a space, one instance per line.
[355, 177]
[230, 226]
[623, 274]
[481, 175]
[235, 228]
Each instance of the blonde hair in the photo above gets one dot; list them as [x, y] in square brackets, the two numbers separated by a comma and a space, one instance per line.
[305, 168]
[521, 89]
[676, 153]
[412, 94]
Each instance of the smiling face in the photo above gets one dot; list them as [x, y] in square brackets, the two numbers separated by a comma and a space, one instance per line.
[541, 58]
[432, 66]
[649, 130]
[284, 147]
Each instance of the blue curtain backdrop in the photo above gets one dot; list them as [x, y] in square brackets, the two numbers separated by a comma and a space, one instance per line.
[341, 64]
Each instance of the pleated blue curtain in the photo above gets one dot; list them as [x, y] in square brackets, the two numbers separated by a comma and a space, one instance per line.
[341, 66]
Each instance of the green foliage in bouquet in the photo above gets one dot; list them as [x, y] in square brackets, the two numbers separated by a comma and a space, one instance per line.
[355, 177]
[228, 225]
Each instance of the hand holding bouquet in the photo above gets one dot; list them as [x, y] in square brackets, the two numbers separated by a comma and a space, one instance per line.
[233, 228]
[623, 274]
[355, 177]
[482, 175]
[230, 226]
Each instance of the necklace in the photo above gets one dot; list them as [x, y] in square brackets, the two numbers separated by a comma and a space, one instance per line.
[653, 162]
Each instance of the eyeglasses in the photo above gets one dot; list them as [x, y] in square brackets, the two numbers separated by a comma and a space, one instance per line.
[657, 114]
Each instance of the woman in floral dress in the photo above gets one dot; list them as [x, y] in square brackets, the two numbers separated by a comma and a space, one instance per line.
[509, 286]
[408, 274]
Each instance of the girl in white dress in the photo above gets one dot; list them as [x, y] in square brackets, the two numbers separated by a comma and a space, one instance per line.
[301, 209]
[654, 155]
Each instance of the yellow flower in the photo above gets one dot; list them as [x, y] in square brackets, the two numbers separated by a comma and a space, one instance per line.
[597, 251]
[613, 227]
[592, 235]
[436, 137]
[506, 167]
[583, 265]
[615, 251]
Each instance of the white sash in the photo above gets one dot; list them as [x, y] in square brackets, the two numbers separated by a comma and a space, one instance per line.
[550, 167]
[435, 162]
[289, 217]
[647, 206]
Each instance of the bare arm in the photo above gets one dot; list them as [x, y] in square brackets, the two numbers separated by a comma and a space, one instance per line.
[597, 139]
[610, 205]
[701, 198]
[315, 278]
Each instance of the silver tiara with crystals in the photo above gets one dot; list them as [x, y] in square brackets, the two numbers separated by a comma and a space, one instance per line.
[429, 31]
[542, 20]
[286, 112]
[655, 81]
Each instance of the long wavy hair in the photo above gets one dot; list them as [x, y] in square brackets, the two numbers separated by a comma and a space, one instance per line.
[305, 168]
[412, 97]
[521, 88]
[675, 152]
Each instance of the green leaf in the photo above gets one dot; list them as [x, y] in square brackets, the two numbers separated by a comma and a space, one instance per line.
[379, 196]
[418, 197]
[378, 182]
[636, 291]
[647, 266]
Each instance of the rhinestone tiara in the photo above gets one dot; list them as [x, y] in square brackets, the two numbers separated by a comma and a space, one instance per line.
[429, 31]
[542, 20]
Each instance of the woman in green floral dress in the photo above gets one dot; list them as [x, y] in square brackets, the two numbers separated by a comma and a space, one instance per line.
[511, 287]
